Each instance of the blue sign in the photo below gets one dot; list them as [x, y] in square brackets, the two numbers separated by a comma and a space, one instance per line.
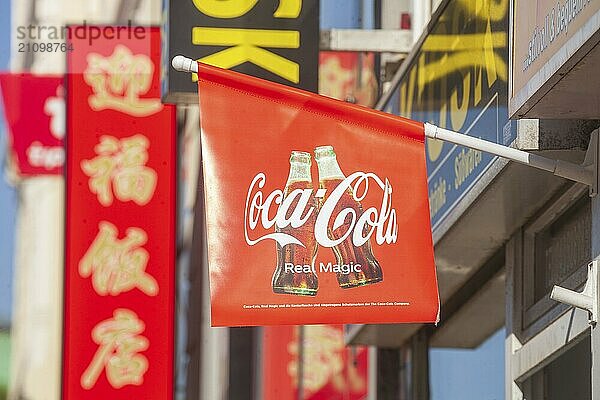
[458, 80]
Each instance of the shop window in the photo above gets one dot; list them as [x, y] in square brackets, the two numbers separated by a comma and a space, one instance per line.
[556, 251]
[566, 378]
[562, 247]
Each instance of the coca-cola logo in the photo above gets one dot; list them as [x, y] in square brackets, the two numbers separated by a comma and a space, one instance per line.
[380, 222]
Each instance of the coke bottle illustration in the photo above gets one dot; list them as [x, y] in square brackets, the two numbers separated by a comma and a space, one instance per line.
[295, 273]
[330, 176]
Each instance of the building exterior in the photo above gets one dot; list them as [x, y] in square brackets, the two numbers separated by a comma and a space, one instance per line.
[513, 72]
[505, 234]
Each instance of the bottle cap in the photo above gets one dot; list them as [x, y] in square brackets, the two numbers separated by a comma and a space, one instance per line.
[324, 151]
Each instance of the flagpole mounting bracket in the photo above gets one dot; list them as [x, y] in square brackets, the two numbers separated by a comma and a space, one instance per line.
[587, 299]
[586, 173]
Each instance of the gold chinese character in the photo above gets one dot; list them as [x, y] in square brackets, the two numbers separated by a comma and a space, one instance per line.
[118, 265]
[122, 163]
[119, 342]
[119, 80]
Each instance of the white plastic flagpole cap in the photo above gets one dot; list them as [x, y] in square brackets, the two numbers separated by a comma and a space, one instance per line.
[184, 64]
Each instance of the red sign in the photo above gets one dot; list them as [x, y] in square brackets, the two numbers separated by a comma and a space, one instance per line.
[35, 112]
[330, 370]
[348, 76]
[344, 239]
[120, 222]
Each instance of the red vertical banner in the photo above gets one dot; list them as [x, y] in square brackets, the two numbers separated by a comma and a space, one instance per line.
[120, 219]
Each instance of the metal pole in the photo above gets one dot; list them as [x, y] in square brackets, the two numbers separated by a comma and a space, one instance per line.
[557, 167]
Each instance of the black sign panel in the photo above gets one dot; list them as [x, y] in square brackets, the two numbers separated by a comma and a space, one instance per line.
[276, 40]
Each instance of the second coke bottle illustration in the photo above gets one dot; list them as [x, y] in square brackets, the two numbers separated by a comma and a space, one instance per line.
[330, 175]
[295, 271]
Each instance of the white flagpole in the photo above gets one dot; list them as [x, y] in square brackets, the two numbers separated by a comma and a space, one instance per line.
[578, 173]
[586, 174]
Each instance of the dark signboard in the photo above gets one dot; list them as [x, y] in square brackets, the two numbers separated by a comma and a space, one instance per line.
[272, 39]
[457, 80]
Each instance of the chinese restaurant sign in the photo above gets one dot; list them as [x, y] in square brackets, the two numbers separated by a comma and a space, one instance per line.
[120, 223]
[354, 246]
[330, 369]
[35, 111]
[278, 41]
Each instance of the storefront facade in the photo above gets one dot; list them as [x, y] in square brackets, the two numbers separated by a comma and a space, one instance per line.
[551, 349]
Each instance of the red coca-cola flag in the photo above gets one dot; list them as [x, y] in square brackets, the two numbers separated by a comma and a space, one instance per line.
[316, 210]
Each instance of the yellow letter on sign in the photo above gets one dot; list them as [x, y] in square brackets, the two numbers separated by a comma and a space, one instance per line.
[288, 9]
[224, 8]
[247, 46]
